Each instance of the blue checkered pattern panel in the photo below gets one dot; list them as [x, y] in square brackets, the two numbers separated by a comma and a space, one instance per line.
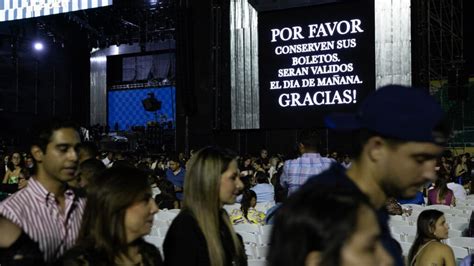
[125, 107]
[19, 9]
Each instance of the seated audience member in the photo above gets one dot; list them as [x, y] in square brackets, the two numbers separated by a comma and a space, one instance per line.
[118, 213]
[176, 174]
[427, 249]
[87, 170]
[346, 162]
[418, 199]
[23, 178]
[393, 207]
[247, 212]
[265, 192]
[441, 194]
[167, 197]
[315, 228]
[14, 166]
[202, 233]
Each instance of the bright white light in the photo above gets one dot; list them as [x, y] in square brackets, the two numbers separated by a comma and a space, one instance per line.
[38, 46]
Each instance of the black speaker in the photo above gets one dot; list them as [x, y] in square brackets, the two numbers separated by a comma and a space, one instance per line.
[151, 104]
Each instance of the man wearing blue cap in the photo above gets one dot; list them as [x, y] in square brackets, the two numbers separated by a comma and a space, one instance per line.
[401, 134]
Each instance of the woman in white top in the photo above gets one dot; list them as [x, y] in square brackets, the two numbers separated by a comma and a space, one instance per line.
[427, 248]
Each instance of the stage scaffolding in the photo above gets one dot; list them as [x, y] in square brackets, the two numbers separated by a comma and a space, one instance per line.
[439, 37]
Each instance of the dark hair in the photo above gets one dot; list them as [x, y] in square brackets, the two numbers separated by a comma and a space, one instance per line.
[363, 135]
[103, 223]
[441, 185]
[90, 148]
[262, 177]
[10, 165]
[26, 173]
[167, 197]
[247, 197]
[92, 165]
[424, 230]
[44, 130]
[310, 138]
[314, 219]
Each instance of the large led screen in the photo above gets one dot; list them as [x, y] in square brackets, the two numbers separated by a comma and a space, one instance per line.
[313, 61]
[20, 9]
[125, 108]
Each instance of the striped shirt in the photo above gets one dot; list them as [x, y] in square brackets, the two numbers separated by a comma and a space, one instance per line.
[297, 171]
[37, 212]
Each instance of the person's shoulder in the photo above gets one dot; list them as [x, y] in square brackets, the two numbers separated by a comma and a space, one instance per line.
[439, 248]
[184, 219]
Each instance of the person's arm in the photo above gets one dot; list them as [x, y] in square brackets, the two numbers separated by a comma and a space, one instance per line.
[460, 170]
[284, 176]
[9, 232]
[5, 178]
[448, 255]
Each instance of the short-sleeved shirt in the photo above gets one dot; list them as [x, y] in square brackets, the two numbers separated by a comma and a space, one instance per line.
[37, 213]
[297, 171]
[336, 176]
[265, 192]
[177, 180]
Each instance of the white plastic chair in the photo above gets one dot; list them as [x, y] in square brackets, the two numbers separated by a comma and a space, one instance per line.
[266, 229]
[460, 252]
[250, 228]
[397, 218]
[414, 207]
[248, 238]
[405, 248]
[466, 242]
[398, 223]
[165, 215]
[261, 252]
[437, 207]
[161, 223]
[458, 226]
[408, 230]
[454, 233]
[155, 240]
[250, 251]
[453, 212]
[256, 262]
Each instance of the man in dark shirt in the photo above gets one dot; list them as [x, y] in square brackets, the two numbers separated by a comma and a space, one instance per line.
[400, 137]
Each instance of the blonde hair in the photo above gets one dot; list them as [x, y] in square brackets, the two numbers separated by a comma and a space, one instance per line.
[201, 198]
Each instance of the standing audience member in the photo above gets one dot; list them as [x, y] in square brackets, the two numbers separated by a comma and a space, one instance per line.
[14, 166]
[427, 249]
[441, 194]
[47, 212]
[265, 192]
[118, 214]
[202, 233]
[88, 150]
[461, 170]
[247, 212]
[318, 228]
[87, 170]
[175, 174]
[297, 171]
[401, 135]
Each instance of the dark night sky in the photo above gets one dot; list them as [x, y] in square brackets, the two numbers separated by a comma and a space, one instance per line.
[469, 35]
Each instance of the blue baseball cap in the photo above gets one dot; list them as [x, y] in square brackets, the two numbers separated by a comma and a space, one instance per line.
[399, 112]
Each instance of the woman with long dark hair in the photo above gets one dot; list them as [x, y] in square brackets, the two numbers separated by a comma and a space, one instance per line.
[427, 249]
[323, 227]
[441, 194]
[14, 166]
[119, 212]
[202, 233]
[247, 212]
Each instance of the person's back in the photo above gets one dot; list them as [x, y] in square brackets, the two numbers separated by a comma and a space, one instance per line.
[434, 197]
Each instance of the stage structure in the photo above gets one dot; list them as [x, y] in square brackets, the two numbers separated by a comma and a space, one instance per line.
[21, 9]
[290, 66]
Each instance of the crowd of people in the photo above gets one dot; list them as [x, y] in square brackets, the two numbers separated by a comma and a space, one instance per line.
[64, 202]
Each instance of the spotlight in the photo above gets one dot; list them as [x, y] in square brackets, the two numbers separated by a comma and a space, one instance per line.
[38, 46]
